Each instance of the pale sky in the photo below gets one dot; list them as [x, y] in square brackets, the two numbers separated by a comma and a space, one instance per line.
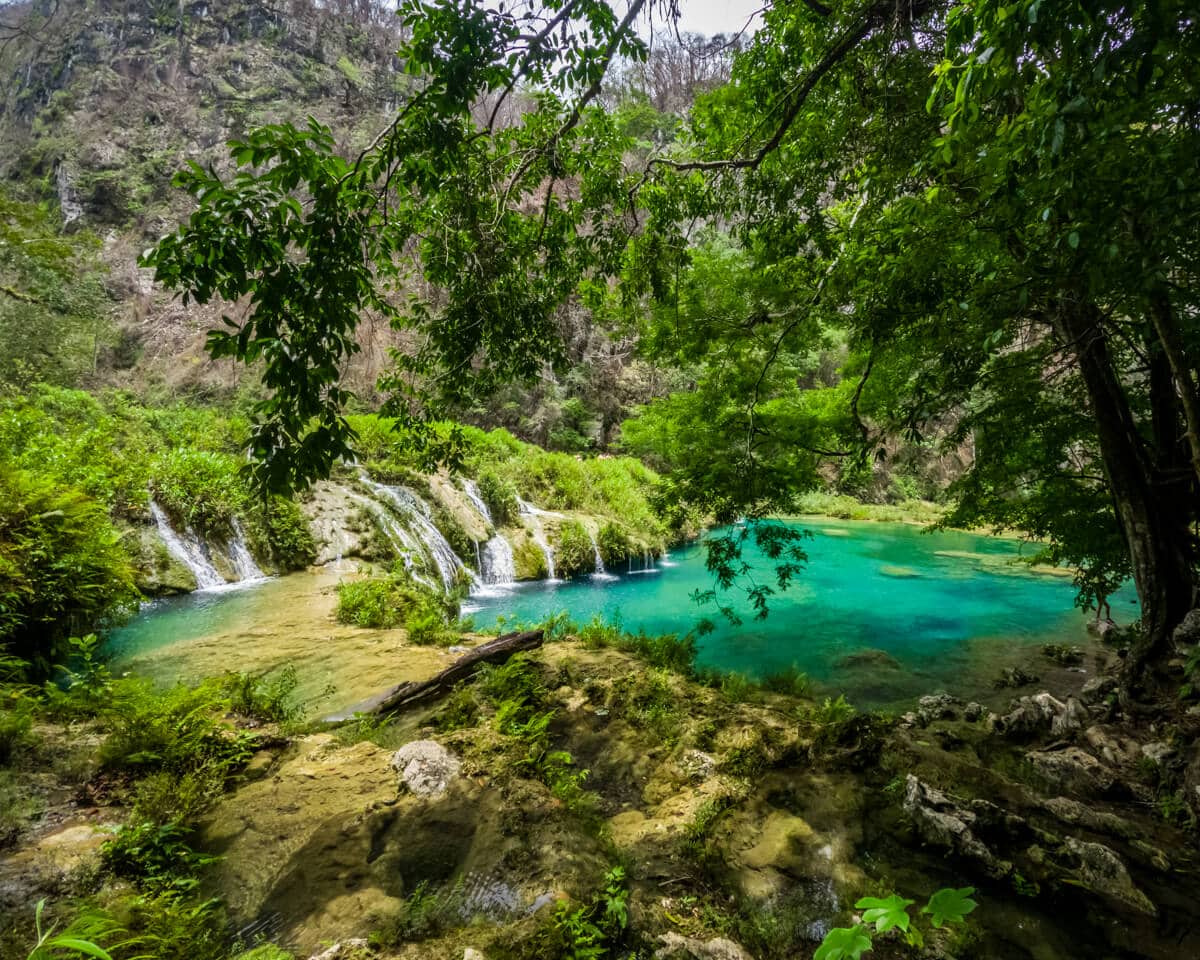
[713, 16]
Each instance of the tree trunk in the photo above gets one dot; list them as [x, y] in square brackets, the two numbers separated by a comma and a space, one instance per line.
[1157, 543]
[1169, 336]
[411, 692]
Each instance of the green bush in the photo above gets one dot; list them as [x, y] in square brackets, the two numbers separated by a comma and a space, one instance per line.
[62, 568]
[16, 721]
[281, 532]
[615, 545]
[500, 496]
[200, 488]
[264, 696]
[574, 553]
[385, 602]
[155, 856]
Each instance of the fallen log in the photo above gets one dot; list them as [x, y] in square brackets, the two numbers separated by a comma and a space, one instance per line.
[411, 692]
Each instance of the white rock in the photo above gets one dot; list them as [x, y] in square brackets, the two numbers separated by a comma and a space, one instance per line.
[426, 767]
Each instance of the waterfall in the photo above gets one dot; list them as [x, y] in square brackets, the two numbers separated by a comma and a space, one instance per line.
[437, 547]
[188, 550]
[471, 489]
[240, 556]
[539, 534]
[498, 565]
[601, 572]
[399, 539]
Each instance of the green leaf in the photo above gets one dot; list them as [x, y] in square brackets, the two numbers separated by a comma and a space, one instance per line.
[886, 913]
[85, 947]
[950, 905]
[1073, 239]
[844, 943]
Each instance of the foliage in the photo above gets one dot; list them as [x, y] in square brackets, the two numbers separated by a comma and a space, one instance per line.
[264, 696]
[880, 915]
[61, 567]
[573, 552]
[397, 600]
[593, 930]
[156, 856]
[668, 651]
[54, 313]
[791, 681]
[199, 488]
[83, 936]
[500, 496]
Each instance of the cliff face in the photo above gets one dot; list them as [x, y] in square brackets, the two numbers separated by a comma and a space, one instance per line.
[102, 101]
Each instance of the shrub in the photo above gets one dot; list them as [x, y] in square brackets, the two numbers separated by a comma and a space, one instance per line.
[500, 497]
[614, 543]
[280, 531]
[264, 696]
[574, 552]
[791, 681]
[62, 568]
[204, 490]
[395, 600]
[156, 857]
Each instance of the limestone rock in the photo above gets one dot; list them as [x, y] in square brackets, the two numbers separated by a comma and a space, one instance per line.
[973, 712]
[1112, 748]
[697, 765]
[1188, 632]
[1098, 689]
[426, 767]
[1072, 770]
[1102, 871]
[1030, 716]
[937, 706]
[472, 954]
[944, 823]
[1084, 815]
[1159, 751]
[342, 950]
[678, 947]
[1106, 630]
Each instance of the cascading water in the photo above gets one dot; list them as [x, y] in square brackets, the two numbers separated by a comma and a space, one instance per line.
[539, 534]
[498, 566]
[437, 547]
[601, 571]
[399, 538]
[188, 550]
[241, 558]
[471, 489]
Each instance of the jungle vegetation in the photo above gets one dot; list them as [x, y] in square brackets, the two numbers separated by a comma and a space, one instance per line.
[990, 204]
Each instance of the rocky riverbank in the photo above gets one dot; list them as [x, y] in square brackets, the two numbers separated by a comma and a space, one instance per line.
[745, 827]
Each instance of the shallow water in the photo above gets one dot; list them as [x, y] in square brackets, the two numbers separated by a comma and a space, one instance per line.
[929, 610]
[264, 625]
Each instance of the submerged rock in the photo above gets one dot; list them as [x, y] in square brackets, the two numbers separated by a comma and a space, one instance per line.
[426, 767]
[343, 950]
[1014, 677]
[869, 657]
[974, 712]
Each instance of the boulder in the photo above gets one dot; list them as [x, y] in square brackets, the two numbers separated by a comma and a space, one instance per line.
[945, 823]
[1100, 870]
[1187, 634]
[675, 946]
[1110, 746]
[697, 765]
[1073, 771]
[343, 950]
[974, 712]
[1159, 751]
[426, 767]
[1106, 630]
[1098, 689]
[472, 954]
[1014, 677]
[937, 706]
[1031, 716]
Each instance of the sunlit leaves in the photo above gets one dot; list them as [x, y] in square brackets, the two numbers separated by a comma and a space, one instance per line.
[950, 905]
[844, 943]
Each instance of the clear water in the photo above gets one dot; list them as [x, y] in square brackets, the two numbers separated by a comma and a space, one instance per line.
[930, 610]
[948, 608]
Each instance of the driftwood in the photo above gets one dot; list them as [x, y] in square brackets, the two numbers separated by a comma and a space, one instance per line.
[404, 695]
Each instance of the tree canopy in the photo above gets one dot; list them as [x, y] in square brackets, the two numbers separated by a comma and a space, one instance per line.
[987, 207]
